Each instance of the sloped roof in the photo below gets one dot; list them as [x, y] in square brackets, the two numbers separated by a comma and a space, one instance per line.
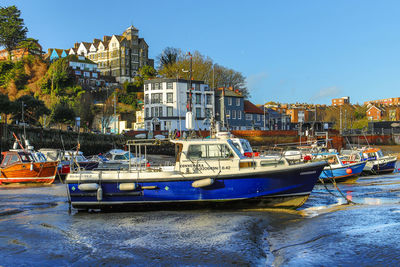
[73, 49]
[251, 108]
[106, 38]
[86, 45]
[119, 37]
[142, 41]
[228, 92]
[378, 108]
[75, 58]
[131, 28]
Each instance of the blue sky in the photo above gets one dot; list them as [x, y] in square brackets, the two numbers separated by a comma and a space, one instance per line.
[290, 51]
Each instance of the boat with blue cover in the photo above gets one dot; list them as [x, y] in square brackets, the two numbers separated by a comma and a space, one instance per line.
[210, 172]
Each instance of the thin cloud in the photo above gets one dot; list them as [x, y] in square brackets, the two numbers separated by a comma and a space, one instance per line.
[255, 81]
[325, 93]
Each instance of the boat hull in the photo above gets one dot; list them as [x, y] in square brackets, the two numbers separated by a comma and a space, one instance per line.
[29, 173]
[380, 166]
[341, 174]
[287, 189]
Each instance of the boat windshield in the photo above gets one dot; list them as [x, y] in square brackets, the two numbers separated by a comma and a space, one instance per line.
[380, 154]
[235, 148]
[210, 151]
[80, 158]
[124, 156]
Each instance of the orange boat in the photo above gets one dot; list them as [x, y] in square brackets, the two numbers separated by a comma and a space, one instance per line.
[19, 167]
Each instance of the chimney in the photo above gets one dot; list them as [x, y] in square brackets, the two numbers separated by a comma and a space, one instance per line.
[76, 45]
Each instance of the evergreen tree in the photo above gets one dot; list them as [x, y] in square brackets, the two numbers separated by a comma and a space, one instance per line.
[12, 28]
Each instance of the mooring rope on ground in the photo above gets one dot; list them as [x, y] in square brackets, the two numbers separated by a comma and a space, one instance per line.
[333, 181]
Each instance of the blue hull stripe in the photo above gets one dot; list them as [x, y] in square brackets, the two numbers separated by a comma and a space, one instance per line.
[341, 172]
[278, 184]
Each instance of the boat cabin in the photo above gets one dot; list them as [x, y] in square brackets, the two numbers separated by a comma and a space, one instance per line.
[117, 154]
[12, 157]
[372, 154]
[217, 155]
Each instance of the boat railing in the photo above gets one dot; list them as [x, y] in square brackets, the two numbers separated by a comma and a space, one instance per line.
[135, 148]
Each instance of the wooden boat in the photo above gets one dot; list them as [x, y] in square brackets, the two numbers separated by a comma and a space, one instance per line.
[19, 167]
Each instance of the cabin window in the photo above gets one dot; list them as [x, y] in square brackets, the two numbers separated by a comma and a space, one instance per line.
[221, 151]
[14, 158]
[6, 159]
[25, 158]
[271, 163]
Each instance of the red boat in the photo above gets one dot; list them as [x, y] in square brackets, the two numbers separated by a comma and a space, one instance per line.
[19, 167]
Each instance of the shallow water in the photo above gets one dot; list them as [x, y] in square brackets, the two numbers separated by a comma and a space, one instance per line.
[36, 229]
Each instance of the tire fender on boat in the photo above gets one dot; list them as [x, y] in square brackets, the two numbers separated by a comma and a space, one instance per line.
[88, 187]
[99, 194]
[203, 182]
[127, 187]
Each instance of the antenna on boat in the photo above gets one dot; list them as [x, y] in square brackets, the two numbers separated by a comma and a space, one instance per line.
[23, 118]
[17, 139]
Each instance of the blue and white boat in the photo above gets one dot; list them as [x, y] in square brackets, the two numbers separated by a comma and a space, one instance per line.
[340, 171]
[377, 163]
[210, 172]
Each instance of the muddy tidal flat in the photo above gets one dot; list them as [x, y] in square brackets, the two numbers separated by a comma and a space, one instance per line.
[37, 230]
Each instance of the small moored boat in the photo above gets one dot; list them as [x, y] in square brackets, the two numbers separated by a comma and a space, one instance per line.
[19, 167]
[340, 171]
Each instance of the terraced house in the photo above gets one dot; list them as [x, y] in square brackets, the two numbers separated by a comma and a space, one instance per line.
[119, 56]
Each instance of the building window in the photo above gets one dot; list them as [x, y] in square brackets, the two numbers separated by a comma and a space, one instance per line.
[147, 113]
[230, 101]
[146, 86]
[249, 117]
[208, 112]
[170, 97]
[228, 114]
[239, 114]
[77, 72]
[198, 98]
[197, 87]
[258, 117]
[160, 111]
[208, 99]
[169, 86]
[233, 114]
[238, 101]
[156, 98]
[198, 113]
[86, 74]
[170, 111]
[146, 98]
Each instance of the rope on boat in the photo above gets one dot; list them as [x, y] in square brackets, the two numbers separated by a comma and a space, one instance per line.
[332, 179]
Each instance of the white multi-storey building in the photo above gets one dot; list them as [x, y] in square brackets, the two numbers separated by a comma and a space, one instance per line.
[166, 103]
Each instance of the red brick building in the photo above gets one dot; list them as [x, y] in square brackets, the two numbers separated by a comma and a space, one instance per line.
[394, 101]
[19, 53]
[341, 101]
[375, 113]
